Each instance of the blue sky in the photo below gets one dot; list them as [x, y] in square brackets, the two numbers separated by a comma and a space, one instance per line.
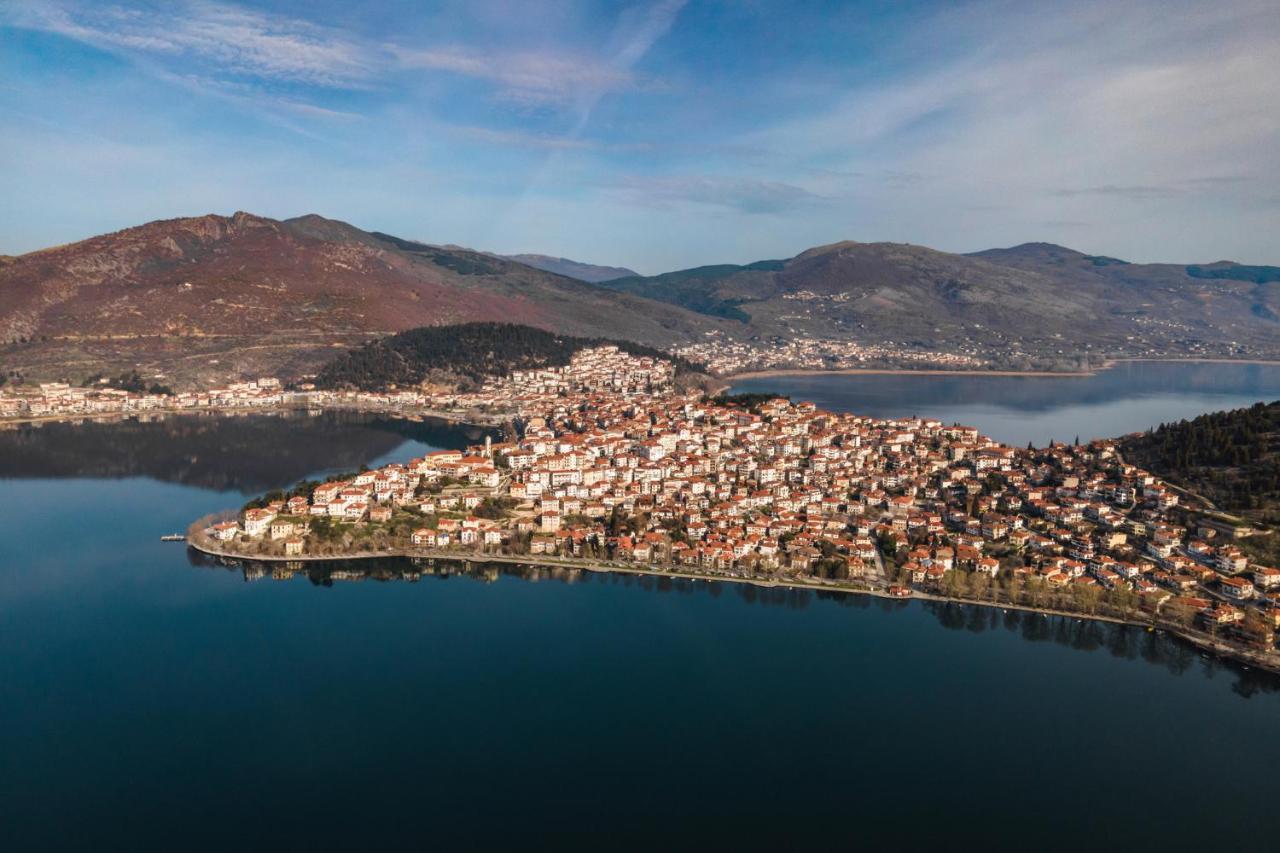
[655, 135]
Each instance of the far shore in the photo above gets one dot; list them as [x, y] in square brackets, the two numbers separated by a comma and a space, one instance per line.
[873, 371]
[1242, 656]
[1054, 374]
[107, 417]
[724, 384]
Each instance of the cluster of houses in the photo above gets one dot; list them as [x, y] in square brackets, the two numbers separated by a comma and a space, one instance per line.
[727, 357]
[55, 400]
[594, 369]
[603, 368]
[58, 399]
[785, 489]
[372, 497]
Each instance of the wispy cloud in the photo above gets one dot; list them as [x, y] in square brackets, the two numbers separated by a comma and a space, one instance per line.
[1135, 192]
[1148, 192]
[523, 139]
[747, 195]
[244, 53]
[1143, 129]
[235, 40]
[523, 77]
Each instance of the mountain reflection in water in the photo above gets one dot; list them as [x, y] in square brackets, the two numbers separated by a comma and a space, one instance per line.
[246, 453]
[1130, 397]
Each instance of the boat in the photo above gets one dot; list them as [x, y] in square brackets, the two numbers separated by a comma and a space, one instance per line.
[173, 537]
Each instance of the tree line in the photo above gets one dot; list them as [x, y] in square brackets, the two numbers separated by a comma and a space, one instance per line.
[468, 352]
[1233, 458]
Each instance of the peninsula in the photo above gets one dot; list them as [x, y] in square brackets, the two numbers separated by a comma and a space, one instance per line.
[613, 467]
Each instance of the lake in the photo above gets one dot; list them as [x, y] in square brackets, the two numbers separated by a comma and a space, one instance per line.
[1130, 397]
[152, 699]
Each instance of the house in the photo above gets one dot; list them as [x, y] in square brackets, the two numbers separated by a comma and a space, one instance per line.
[1238, 589]
[256, 521]
[1231, 559]
[293, 546]
[281, 529]
[1266, 578]
[226, 531]
[987, 566]
[1219, 615]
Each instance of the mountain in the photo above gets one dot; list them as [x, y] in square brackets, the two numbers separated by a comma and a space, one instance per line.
[593, 273]
[211, 297]
[699, 289]
[1028, 304]
[192, 301]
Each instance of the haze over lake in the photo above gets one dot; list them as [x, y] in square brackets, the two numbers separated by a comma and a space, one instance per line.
[1130, 397]
[154, 700]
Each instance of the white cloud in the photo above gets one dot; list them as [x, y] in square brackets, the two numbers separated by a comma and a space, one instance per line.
[523, 77]
[1123, 116]
[235, 40]
[235, 51]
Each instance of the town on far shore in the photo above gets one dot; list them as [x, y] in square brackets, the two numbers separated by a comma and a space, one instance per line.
[721, 357]
[611, 466]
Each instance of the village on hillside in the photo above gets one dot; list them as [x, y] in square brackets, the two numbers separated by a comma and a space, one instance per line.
[601, 368]
[725, 357]
[612, 464]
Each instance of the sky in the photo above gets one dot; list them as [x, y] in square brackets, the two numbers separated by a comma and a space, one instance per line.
[657, 134]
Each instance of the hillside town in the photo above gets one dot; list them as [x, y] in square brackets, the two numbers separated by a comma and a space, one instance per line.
[599, 369]
[614, 466]
[726, 357]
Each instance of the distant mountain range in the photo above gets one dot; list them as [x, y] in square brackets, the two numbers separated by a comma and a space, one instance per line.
[593, 273]
[212, 297]
[1036, 297]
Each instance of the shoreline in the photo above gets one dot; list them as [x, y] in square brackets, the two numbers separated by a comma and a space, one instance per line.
[1206, 644]
[222, 411]
[886, 371]
[1042, 374]
[724, 384]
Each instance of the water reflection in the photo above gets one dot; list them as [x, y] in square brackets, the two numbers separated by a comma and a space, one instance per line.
[245, 453]
[1127, 642]
[1126, 398]
[1039, 393]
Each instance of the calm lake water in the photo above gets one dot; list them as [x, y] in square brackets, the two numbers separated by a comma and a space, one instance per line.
[1130, 397]
[153, 700]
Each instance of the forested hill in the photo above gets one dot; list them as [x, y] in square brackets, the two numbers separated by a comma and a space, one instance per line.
[464, 354]
[1232, 458]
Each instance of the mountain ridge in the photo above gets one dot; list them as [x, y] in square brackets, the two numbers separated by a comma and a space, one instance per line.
[215, 296]
[1035, 298]
[195, 299]
[592, 273]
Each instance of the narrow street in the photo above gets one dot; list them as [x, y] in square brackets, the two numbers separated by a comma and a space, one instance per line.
[877, 577]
